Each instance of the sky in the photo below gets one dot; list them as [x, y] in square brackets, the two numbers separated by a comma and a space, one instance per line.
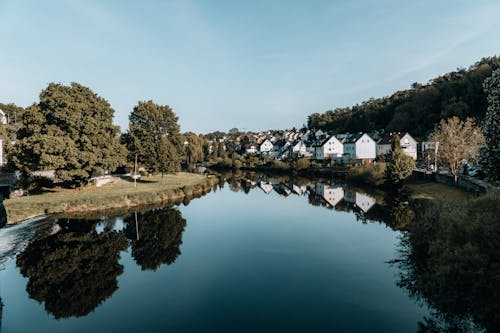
[254, 65]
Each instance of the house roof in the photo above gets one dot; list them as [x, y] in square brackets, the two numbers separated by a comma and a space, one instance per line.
[387, 139]
[352, 138]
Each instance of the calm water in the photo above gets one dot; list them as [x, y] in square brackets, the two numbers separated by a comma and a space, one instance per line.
[275, 259]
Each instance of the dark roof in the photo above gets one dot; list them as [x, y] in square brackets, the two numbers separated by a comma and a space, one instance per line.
[387, 139]
[352, 138]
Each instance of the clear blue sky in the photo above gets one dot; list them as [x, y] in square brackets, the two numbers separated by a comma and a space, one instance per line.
[249, 64]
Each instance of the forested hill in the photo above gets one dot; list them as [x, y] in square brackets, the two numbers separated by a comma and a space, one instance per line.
[418, 109]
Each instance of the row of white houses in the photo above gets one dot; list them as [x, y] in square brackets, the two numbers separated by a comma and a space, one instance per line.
[340, 148]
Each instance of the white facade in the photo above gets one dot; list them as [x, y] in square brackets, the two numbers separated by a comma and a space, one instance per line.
[266, 146]
[251, 149]
[408, 145]
[3, 117]
[329, 148]
[363, 148]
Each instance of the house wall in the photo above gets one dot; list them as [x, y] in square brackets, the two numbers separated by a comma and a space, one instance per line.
[365, 148]
[332, 147]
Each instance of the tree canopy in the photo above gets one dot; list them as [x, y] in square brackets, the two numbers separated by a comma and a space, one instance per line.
[458, 140]
[418, 109]
[153, 135]
[490, 154]
[400, 165]
[70, 131]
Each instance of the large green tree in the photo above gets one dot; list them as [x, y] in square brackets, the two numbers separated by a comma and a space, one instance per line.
[70, 131]
[153, 135]
[400, 165]
[490, 153]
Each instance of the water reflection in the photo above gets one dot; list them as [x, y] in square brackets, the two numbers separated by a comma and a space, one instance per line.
[448, 256]
[449, 259]
[320, 192]
[155, 237]
[73, 269]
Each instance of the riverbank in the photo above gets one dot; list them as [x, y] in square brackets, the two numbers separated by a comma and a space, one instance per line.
[121, 193]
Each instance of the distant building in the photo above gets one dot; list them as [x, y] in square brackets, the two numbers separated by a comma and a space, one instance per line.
[3, 117]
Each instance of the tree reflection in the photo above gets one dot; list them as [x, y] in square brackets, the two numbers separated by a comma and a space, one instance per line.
[155, 236]
[450, 259]
[74, 269]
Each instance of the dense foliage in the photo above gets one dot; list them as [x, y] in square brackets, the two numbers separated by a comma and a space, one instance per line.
[400, 165]
[418, 109]
[70, 131]
[153, 135]
[490, 154]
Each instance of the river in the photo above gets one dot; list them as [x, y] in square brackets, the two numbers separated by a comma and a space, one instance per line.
[254, 255]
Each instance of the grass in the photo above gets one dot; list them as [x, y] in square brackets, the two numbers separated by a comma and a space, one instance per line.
[121, 193]
[371, 174]
[437, 191]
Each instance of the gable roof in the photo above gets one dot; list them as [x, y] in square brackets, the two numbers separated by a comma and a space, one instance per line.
[387, 139]
[352, 138]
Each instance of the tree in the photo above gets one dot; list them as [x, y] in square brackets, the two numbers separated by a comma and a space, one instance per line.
[153, 135]
[70, 131]
[490, 153]
[400, 165]
[194, 148]
[458, 140]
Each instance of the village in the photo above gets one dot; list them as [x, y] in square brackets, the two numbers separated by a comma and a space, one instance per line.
[356, 148]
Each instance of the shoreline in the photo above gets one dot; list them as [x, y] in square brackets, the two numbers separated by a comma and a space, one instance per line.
[175, 189]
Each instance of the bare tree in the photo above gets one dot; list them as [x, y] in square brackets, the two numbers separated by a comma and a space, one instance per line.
[458, 140]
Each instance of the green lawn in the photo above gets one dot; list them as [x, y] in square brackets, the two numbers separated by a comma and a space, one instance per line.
[121, 193]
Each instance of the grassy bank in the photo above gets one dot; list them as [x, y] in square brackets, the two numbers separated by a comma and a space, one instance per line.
[436, 191]
[120, 193]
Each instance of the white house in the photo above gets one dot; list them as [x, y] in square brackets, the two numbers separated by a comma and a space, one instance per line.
[407, 142]
[3, 117]
[360, 146]
[266, 146]
[329, 147]
[250, 149]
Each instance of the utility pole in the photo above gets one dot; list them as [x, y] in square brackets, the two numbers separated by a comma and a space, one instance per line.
[436, 157]
[135, 171]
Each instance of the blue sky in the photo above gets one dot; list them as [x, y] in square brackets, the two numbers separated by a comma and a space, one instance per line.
[249, 64]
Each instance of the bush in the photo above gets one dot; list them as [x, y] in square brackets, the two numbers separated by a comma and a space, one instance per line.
[373, 174]
[303, 163]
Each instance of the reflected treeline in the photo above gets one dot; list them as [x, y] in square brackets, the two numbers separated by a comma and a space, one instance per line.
[450, 259]
[73, 266]
[155, 237]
